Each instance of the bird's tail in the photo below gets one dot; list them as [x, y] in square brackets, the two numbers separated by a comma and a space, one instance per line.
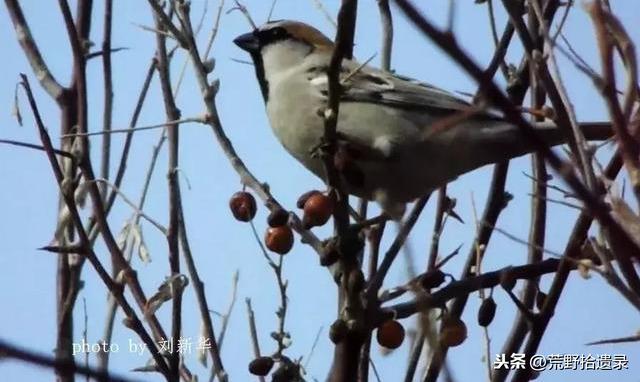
[592, 131]
[498, 143]
[516, 143]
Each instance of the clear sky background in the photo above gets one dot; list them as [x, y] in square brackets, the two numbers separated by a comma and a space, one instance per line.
[589, 310]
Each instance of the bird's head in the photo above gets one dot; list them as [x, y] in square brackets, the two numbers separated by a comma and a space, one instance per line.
[283, 34]
[279, 45]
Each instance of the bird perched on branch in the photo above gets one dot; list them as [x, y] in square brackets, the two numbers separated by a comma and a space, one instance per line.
[397, 139]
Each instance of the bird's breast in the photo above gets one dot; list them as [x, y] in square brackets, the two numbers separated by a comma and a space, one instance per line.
[294, 119]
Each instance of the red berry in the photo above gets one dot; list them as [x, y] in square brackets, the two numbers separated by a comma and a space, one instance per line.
[317, 210]
[278, 217]
[390, 334]
[453, 332]
[279, 239]
[243, 206]
[304, 197]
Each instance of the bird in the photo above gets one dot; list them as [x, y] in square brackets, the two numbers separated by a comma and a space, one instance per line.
[392, 146]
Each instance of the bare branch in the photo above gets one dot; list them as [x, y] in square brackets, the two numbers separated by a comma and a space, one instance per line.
[31, 51]
[166, 22]
[63, 153]
[132, 320]
[471, 284]
[11, 351]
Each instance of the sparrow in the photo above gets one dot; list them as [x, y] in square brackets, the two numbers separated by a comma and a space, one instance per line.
[393, 146]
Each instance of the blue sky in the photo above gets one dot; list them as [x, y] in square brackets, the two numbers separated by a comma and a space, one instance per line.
[589, 309]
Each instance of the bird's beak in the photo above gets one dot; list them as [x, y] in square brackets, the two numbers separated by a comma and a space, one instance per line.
[248, 42]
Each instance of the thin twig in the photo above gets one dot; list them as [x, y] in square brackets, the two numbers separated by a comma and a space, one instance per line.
[525, 242]
[394, 249]
[139, 128]
[313, 348]
[138, 211]
[494, 35]
[240, 7]
[84, 332]
[253, 331]
[165, 20]
[107, 112]
[100, 53]
[271, 9]
[620, 340]
[154, 30]
[175, 204]
[62, 153]
[32, 52]
[281, 335]
[185, 63]
[321, 7]
[232, 303]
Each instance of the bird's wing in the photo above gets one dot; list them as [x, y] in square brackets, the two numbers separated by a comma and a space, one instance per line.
[370, 85]
[395, 91]
[424, 105]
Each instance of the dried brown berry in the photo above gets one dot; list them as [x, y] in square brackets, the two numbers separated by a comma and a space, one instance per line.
[507, 280]
[302, 200]
[390, 334]
[541, 298]
[243, 206]
[278, 217]
[453, 331]
[261, 366]
[279, 239]
[338, 331]
[432, 279]
[487, 311]
[317, 210]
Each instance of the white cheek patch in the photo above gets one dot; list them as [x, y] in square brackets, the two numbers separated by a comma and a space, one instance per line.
[280, 57]
[385, 144]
